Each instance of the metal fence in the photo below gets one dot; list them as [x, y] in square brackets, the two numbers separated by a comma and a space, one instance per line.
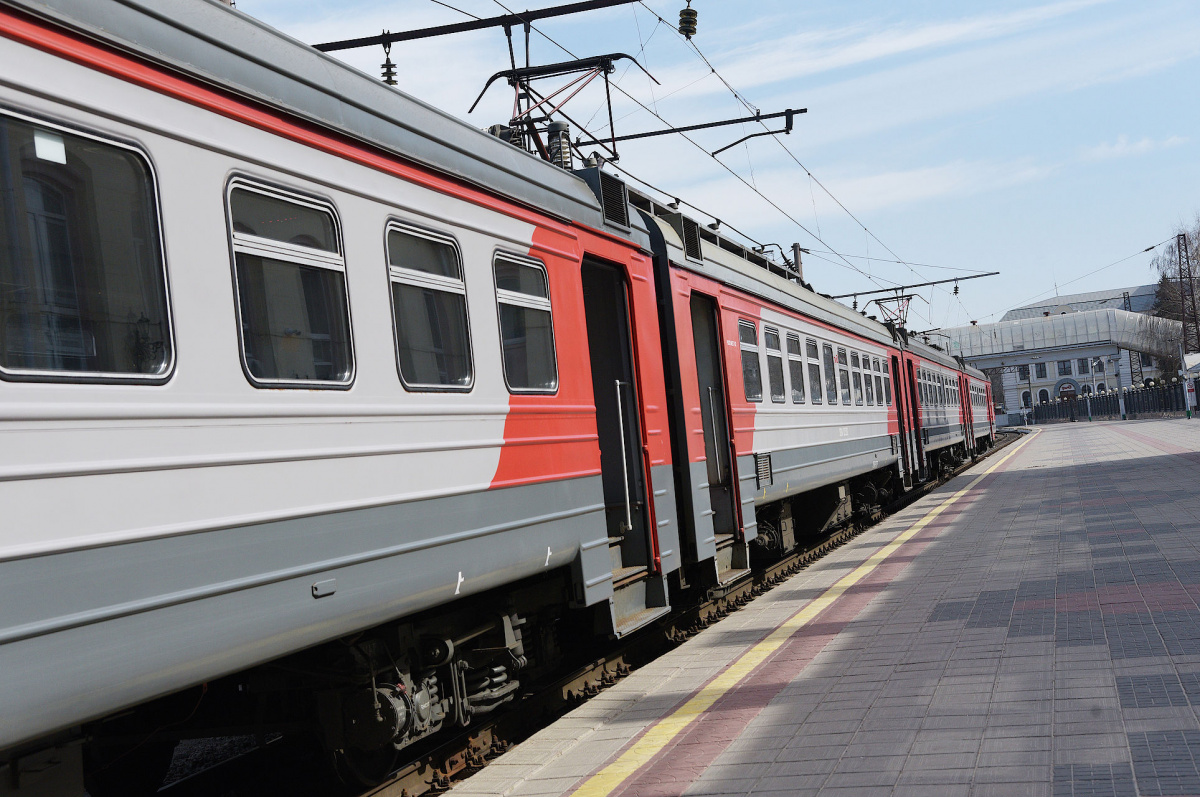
[1160, 401]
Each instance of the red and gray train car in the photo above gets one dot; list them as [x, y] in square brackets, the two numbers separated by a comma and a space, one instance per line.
[323, 409]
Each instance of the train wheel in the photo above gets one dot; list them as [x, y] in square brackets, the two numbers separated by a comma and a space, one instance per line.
[126, 770]
[364, 768]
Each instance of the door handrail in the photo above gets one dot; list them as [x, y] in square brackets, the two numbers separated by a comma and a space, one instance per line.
[624, 457]
[712, 414]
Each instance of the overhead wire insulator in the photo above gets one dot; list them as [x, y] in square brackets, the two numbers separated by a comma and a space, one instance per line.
[687, 21]
[387, 67]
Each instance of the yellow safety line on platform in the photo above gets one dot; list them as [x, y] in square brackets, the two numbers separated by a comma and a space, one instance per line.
[608, 779]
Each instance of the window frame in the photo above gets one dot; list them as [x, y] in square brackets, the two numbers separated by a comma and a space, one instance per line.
[777, 353]
[829, 366]
[530, 302]
[155, 205]
[796, 358]
[743, 348]
[434, 281]
[263, 247]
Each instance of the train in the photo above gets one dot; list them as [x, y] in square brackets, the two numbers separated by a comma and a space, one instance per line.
[324, 410]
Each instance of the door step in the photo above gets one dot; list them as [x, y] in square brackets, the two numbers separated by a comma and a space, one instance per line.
[636, 620]
[727, 577]
[623, 576]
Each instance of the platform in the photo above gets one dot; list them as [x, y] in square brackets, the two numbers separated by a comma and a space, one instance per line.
[1031, 627]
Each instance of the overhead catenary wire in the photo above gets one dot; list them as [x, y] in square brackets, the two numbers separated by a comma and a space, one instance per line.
[813, 179]
[1054, 290]
[726, 167]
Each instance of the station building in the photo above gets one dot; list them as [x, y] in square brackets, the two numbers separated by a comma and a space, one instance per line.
[1069, 346]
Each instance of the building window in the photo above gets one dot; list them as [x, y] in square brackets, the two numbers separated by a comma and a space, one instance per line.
[291, 286]
[1100, 387]
[831, 390]
[1099, 366]
[796, 368]
[1026, 399]
[1146, 360]
[751, 370]
[1039, 370]
[1085, 389]
[1023, 373]
[1064, 367]
[1082, 366]
[1043, 396]
[83, 291]
[526, 325]
[429, 310]
[774, 365]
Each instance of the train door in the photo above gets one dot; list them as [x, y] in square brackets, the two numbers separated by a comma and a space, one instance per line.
[964, 408]
[905, 441]
[722, 481]
[618, 414]
[915, 417]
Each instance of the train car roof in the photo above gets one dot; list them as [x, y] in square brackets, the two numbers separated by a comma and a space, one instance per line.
[729, 269]
[234, 52]
[940, 357]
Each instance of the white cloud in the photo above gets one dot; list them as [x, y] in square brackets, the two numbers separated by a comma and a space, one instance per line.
[1123, 147]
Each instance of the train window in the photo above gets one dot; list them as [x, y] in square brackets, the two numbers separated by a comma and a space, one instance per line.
[875, 364]
[526, 325]
[795, 368]
[854, 359]
[879, 390]
[83, 290]
[831, 391]
[887, 385]
[429, 311]
[814, 379]
[810, 347]
[290, 277]
[844, 383]
[774, 365]
[751, 370]
[841, 356]
[858, 388]
[868, 387]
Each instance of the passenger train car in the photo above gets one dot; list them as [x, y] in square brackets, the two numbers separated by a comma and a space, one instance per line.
[321, 409]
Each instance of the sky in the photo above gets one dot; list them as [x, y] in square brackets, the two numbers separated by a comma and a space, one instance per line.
[1043, 140]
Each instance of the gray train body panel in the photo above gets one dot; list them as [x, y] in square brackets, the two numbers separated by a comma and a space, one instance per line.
[175, 611]
[798, 470]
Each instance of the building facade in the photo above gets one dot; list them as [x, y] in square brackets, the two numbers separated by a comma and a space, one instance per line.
[1046, 352]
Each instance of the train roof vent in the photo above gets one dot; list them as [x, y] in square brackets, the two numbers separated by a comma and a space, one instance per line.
[689, 232]
[612, 193]
[691, 239]
[614, 199]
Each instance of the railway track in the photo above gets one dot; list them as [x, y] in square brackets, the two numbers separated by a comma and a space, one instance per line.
[434, 770]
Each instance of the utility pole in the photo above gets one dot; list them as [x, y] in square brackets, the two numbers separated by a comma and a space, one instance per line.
[1187, 298]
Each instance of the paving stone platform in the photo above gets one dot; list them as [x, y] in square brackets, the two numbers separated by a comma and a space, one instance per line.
[1031, 628]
